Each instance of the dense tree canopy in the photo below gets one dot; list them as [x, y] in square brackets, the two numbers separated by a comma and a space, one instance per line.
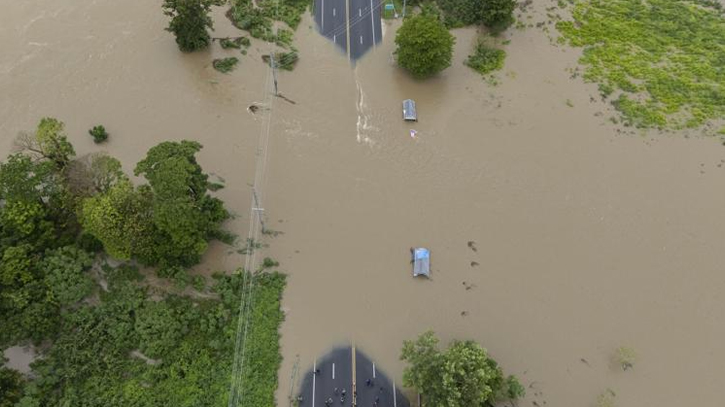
[461, 376]
[109, 338]
[43, 257]
[496, 14]
[167, 222]
[119, 218]
[184, 216]
[11, 387]
[425, 46]
[189, 22]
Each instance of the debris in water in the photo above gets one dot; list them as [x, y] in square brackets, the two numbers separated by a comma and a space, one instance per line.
[586, 362]
[474, 264]
[472, 245]
[281, 96]
[464, 313]
[413, 133]
[253, 108]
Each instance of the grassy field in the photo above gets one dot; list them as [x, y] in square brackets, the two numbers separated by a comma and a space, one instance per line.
[661, 62]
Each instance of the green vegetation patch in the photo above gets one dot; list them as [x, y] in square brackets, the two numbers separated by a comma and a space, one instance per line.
[662, 62]
[108, 337]
[257, 17]
[486, 59]
[461, 375]
[225, 65]
[236, 42]
[258, 380]
[283, 60]
[98, 133]
[131, 350]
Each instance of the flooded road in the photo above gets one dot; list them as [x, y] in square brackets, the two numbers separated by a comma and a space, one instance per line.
[586, 238]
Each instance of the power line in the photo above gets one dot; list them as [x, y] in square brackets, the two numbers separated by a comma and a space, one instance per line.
[247, 298]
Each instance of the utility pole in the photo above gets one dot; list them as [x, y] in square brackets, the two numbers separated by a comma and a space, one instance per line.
[274, 71]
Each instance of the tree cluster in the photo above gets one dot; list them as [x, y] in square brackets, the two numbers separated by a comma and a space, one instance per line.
[165, 223]
[461, 376]
[108, 338]
[495, 14]
[56, 210]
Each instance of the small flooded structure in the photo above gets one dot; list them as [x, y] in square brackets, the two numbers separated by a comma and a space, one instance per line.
[409, 113]
[421, 261]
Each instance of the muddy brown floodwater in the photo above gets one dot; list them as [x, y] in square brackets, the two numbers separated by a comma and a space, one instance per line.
[588, 238]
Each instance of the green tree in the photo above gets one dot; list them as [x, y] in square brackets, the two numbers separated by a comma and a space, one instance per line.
[460, 13]
[185, 217]
[461, 376]
[49, 141]
[424, 46]
[189, 22]
[23, 179]
[120, 218]
[11, 387]
[94, 173]
[159, 328]
[498, 14]
[64, 271]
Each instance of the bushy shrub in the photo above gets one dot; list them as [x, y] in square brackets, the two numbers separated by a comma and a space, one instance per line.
[98, 133]
[486, 59]
[225, 65]
[425, 47]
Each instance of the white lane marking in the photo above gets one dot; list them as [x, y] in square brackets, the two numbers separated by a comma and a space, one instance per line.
[333, 12]
[361, 39]
[395, 397]
[373, 370]
[314, 376]
[333, 371]
[372, 20]
[334, 38]
[359, 12]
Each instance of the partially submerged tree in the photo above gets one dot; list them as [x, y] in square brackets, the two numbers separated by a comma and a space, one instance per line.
[425, 46]
[461, 376]
[497, 14]
[190, 22]
[93, 174]
[49, 142]
[185, 217]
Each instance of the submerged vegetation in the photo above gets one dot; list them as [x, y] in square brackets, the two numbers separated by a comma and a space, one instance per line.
[660, 61]
[495, 14]
[283, 60]
[236, 42]
[111, 337]
[98, 133]
[225, 65]
[486, 59]
[257, 17]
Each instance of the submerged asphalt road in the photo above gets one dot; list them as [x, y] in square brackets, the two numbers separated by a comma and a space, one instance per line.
[360, 19]
[335, 374]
